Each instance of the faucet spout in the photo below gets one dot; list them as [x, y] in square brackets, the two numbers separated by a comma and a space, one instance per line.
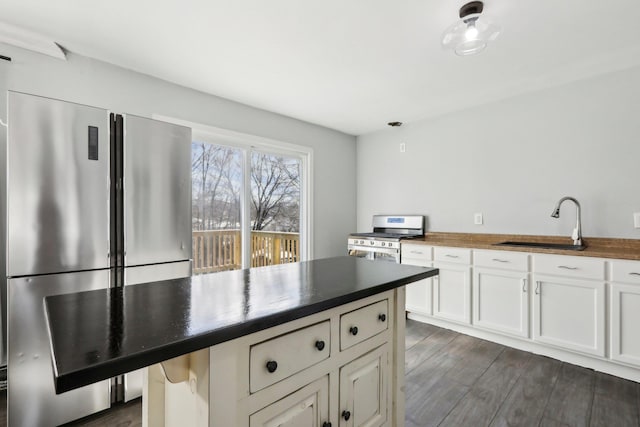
[577, 232]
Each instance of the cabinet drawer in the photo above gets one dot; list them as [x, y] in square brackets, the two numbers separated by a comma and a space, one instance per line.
[569, 266]
[454, 255]
[625, 271]
[279, 358]
[416, 254]
[502, 259]
[363, 323]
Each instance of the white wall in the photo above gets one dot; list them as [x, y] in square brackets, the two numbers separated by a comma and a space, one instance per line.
[92, 82]
[512, 160]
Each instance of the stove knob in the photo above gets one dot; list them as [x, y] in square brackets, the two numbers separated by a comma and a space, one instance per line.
[362, 242]
[384, 244]
[372, 243]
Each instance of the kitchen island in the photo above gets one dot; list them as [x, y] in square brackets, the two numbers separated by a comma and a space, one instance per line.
[312, 343]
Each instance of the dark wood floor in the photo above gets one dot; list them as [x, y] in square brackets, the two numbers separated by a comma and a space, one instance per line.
[457, 380]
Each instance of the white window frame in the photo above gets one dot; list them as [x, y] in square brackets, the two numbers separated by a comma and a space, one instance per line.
[249, 143]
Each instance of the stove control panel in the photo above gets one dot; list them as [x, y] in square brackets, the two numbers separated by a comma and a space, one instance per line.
[374, 243]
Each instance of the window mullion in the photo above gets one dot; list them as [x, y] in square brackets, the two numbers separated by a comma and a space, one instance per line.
[245, 206]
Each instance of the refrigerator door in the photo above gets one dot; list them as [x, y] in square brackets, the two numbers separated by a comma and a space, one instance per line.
[3, 243]
[152, 273]
[57, 186]
[31, 396]
[157, 192]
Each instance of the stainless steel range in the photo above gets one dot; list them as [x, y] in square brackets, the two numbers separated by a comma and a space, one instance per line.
[384, 242]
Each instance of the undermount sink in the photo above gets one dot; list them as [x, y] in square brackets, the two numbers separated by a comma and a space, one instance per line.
[543, 245]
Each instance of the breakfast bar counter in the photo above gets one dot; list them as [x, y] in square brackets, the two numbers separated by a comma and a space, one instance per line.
[320, 340]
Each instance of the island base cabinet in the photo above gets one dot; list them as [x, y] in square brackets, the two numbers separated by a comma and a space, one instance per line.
[359, 384]
[181, 400]
[363, 390]
[625, 319]
[307, 407]
[569, 313]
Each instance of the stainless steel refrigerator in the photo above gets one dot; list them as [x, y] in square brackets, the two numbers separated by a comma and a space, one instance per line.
[93, 200]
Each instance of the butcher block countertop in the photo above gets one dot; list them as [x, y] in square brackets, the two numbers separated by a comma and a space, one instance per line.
[597, 247]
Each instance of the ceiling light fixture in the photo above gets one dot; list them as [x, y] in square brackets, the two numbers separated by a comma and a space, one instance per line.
[472, 32]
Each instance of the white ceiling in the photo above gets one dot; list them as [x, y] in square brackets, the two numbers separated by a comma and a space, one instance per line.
[350, 65]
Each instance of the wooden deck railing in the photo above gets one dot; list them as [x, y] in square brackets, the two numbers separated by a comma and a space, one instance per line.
[219, 250]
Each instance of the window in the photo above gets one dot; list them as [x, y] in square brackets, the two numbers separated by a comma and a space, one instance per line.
[216, 185]
[275, 209]
[250, 201]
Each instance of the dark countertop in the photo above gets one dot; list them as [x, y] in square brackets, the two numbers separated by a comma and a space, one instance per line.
[99, 334]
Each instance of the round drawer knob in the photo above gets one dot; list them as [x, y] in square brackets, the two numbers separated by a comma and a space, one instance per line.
[326, 424]
[346, 415]
[382, 317]
[320, 345]
[353, 330]
[272, 365]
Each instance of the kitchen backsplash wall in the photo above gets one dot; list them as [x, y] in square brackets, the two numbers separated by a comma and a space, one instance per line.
[88, 81]
[512, 160]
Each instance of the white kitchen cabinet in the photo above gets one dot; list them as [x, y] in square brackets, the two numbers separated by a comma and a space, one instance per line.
[501, 292]
[419, 297]
[308, 407]
[569, 309]
[625, 312]
[452, 286]
[363, 390]
[418, 294]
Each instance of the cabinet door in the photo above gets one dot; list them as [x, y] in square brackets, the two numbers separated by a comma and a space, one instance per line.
[569, 313]
[451, 293]
[364, 390]
[418, 297]
[307, 407]
[500, 301]
[625, 318]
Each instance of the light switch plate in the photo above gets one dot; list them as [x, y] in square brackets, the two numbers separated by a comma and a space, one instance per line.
[477, 218]
[636, 220]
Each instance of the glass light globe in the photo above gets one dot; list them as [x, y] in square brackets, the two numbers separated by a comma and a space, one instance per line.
[470, 34]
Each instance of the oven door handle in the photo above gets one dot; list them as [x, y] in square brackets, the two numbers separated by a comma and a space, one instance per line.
[376, 250]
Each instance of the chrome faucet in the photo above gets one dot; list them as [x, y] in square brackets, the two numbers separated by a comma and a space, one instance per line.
[577, 232]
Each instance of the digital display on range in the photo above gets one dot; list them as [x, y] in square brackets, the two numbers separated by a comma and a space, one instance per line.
[395, 220]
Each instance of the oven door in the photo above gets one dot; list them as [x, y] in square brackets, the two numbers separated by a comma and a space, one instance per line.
[360, 252]
[378, 254]
[387, 255]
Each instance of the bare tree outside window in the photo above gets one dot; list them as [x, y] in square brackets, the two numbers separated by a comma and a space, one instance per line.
[274, 207]
[275, 193]
[216, 180]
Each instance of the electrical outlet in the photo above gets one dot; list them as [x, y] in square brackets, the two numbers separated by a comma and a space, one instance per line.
[477, 218]
[636, 220]
[403, 147]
